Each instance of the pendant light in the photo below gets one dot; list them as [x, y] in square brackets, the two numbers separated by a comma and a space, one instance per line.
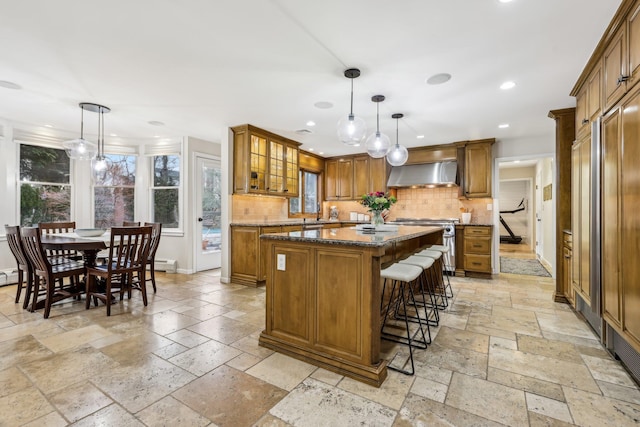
[377, 143]
[398, 154]
[351, 130]
[99, 163]
[80, 149]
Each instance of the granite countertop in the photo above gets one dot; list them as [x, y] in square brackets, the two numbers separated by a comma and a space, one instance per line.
[349, 236]
[292, 221]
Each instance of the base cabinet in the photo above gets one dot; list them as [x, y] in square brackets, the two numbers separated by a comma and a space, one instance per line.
[477, 250]
[567, 249]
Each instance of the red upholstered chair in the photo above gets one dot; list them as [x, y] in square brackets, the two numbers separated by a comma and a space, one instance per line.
[46, 274]
[125, 266]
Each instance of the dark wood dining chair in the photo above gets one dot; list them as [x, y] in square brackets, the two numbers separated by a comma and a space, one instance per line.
[14, 239]
[156, 232]
[47, 274]
[131, 223]
[124, 270]
[60, 256]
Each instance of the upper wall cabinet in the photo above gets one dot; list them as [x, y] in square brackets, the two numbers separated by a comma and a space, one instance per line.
[349, 177]
[264, 163]
[589, 101]
[621, 59]
[339, 179]
[478, 162]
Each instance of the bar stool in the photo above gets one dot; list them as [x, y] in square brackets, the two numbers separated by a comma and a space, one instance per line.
[400, 279]
[438, 276]
[426, 289]
[446, 260]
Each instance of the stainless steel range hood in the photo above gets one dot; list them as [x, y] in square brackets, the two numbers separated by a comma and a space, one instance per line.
[424, 175]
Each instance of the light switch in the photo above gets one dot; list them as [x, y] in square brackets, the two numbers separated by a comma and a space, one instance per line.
[282, 262]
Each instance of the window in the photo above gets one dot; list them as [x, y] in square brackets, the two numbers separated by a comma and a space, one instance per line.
[165, 191]
[308, 201]
[45, 193]
[114, 192]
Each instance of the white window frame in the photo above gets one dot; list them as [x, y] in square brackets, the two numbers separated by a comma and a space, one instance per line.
[178, 231]
[135, 187]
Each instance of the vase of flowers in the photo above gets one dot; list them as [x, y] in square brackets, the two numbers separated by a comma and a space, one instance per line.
[377, 202]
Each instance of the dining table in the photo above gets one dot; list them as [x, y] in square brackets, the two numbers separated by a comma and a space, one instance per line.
[88, 246]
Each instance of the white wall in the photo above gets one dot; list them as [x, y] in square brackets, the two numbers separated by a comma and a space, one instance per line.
[548, 252]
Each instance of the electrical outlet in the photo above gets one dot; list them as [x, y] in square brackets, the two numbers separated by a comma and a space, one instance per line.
[282, 262]
[489, 206]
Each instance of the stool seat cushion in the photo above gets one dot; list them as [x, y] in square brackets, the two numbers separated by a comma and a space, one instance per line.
[402, 272]
[429, 253]
[440, 248]
[421, 261]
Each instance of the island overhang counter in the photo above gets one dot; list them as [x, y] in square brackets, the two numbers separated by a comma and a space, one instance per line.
[323, 294]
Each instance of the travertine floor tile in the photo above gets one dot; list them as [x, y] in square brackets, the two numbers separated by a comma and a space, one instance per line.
[205, 357]
[544, 347]
[282, 371]
[548, 407]
[314, 403]
[429, 389]
[488, 400]
[187, 338]
[12, 380]
[229, 397]
[171, 412]
[52, 419]
[75, 337]
[223, 329]
[78, 401]
[22, 350]
[420, 411]
[325, 376]
[391, 393]
[608, 370]
[614, 391]
[525, 383]
[589, 409]
[23, 406]
[135, 387]
[112, 415]
[459, 360]
[455, 338]
[543, 368]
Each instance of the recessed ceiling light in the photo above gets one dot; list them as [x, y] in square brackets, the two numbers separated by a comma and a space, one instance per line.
[323, 105]
[9, 85]
[156, 136]
[438, 79]
[507, 85]
[503, 126]
[155, 123]
[311, 123]
[321, 152]
[516, 161]
[113, 134]
[48, 126]
[505, 1]
[311, 149]
[420, 136]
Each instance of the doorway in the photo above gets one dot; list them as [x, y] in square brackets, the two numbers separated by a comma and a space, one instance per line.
[208, 208]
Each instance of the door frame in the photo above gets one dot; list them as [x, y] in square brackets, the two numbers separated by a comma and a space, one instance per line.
[195, 208]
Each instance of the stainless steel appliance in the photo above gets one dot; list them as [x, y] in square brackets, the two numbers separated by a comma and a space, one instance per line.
[448, 236]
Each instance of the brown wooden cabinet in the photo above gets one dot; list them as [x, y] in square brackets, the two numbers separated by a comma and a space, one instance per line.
[477, 250]
[339, 179]
[581, 216]
[248, 263]
[620, 219]
[567, 249]
[369, 174]
[478, 162]
[589, 102]
[264, 163]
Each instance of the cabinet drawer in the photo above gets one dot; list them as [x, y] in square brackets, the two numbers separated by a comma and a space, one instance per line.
[481, 263]
[477, 231]
[477, 245]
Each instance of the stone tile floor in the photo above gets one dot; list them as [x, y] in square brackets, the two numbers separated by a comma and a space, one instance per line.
[504, 354]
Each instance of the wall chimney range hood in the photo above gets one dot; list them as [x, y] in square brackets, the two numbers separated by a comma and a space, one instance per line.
[441, 174]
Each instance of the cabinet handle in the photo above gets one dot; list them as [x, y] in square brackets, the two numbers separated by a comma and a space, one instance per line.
[285, 190]
[622, 79]
[585, 121]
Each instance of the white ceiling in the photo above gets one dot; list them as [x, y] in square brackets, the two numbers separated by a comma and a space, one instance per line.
[200, 66]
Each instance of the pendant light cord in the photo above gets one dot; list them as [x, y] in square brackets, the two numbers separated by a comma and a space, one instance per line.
[351, 113]
[377, 117]
[81, 123]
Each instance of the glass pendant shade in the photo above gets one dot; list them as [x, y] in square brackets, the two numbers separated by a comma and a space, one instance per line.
[351, 130]
[378, 145]
[398, 155]
[80, 149]
[99, 167]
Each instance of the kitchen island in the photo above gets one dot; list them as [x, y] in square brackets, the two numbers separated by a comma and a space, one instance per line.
[323, 295]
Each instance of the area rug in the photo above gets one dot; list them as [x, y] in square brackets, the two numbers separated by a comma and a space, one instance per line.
[528, 267]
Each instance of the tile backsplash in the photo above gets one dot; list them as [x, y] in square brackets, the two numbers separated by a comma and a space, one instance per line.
[412, 203]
